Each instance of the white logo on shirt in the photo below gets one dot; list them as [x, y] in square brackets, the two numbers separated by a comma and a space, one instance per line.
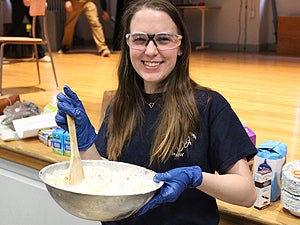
[186, 145]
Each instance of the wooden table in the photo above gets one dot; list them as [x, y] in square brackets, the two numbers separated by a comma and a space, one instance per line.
[203, 10]
[32, 153]
[29, 152]
[275, 214]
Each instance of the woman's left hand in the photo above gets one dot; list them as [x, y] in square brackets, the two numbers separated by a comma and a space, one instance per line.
[175, 182]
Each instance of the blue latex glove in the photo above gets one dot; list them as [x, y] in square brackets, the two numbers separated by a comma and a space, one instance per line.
[175, 182]
[70, 104]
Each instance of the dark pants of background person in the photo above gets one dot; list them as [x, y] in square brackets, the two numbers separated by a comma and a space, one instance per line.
[121, 4]
[19, 11]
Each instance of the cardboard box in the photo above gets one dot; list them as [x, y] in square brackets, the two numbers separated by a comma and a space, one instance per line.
[251, 134]
[272, 156]
[58, 140]
[67, 144]
[30, 126]
[45, 136]
[263, 188]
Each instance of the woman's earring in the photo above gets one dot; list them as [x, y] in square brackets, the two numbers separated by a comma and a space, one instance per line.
[179, 53]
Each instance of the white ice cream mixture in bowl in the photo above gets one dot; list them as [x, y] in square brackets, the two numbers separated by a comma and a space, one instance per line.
[109, 191]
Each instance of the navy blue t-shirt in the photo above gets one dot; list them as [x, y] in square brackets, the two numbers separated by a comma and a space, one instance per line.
[222, 142]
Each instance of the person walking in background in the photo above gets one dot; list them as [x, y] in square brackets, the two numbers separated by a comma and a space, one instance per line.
[161, 119]
[73, 9]
[20, 9]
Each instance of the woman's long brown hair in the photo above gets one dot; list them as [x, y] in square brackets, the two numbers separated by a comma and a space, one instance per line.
[179, 116]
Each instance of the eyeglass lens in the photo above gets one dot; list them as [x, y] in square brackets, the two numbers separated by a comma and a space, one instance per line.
[163, 41]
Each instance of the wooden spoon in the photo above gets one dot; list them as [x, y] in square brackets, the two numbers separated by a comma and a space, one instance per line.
[75, 170]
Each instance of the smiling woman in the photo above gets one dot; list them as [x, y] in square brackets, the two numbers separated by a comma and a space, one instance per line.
[189, 134]
[154, 53]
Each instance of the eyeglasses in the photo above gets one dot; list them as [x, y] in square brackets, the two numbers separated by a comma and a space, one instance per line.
[162, 41]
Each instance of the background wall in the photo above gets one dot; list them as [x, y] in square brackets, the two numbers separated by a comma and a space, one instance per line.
[241, 25]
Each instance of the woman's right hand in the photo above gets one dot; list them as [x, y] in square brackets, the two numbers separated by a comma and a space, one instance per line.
[69, 103]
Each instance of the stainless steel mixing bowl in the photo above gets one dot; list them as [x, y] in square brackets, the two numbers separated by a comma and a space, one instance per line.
[100, 207]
